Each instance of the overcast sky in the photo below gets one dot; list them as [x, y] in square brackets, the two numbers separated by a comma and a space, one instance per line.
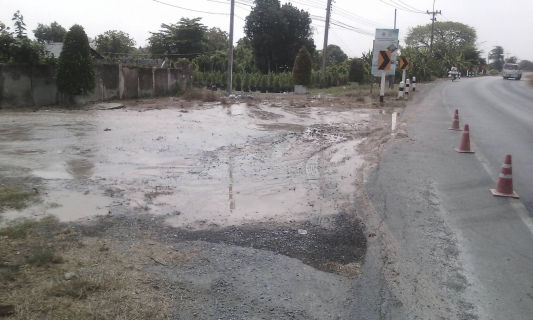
[496, 22]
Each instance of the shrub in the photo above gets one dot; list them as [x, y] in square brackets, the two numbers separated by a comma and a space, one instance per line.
[246, 82]
[303, 66]
[75, 70]
[263, 82]
[276, 83]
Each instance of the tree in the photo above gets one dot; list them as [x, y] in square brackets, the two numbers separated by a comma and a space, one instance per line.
[276, 33]
[496, 55]
[75, 70]
[335, 54]
[357, 71]
[216, 39]
[187, 39]
[114, 43]
[447, 35]
[16, 47]
[52, 33]
[512, 59]
[526, 65]
[20, 26]
[6, 39]
[303, 66]
[243, 56]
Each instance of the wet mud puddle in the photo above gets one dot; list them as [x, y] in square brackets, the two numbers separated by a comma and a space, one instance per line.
[211, 167]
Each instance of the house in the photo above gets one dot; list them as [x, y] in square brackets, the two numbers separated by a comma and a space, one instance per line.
[56, 47]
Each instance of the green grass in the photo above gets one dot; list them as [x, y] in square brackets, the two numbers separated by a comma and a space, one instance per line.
[340, 89]
[14, 198]
[44, 257]
[21, 228]
[75, 288]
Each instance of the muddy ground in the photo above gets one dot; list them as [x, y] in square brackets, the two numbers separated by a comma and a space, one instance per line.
[257, 193]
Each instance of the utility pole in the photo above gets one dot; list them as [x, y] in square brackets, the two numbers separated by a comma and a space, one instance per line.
[324, 50]
[230, 53]
[433, 19]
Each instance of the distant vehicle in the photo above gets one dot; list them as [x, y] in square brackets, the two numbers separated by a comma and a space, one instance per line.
[511, 70]
[454, 74]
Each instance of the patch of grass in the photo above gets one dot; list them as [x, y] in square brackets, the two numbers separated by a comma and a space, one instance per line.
[21, 228]
[109, 285]
[209, 96]
[9, 274]
[45, 257]
[77, 288]
[191, 95]
[15, 198]
[200, 95]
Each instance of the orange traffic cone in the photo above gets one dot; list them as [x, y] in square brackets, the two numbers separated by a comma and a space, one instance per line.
[465, 142]
[504, 188]
[455, 122]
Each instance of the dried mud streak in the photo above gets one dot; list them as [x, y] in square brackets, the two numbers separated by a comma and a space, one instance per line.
[414, 288]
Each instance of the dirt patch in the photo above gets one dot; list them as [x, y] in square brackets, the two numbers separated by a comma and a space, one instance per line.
[48, 270]
[231, 208]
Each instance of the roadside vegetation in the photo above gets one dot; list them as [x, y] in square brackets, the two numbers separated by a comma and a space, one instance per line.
[48, 272]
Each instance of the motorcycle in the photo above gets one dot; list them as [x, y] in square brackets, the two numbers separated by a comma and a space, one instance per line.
[454, 75]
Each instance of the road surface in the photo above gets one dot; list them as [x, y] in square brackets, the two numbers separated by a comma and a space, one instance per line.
[445, 247]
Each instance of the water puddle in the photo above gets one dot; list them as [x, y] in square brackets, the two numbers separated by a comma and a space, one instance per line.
[290, 127]
[214, 165]
[65, 205]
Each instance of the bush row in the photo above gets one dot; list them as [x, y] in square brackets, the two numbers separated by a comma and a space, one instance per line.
[281, 82]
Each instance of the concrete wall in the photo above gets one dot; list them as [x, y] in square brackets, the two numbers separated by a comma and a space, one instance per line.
[161, 82]
[15, 81]
[44, 86]
[146, 82]
[25, 86]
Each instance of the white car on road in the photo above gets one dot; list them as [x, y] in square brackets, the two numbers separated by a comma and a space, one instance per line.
[511, 70]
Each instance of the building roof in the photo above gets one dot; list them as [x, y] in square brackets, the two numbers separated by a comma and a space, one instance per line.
[56, 47]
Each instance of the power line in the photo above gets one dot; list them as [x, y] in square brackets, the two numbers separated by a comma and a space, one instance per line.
[171, 5]
[410, 6]
[338, 38]
[401, 8]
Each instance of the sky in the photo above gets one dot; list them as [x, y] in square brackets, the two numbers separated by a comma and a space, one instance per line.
[496, 23]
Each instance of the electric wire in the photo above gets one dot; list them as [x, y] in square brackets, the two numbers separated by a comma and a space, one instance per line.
[338, 39]
[171, 5]
[399, 8]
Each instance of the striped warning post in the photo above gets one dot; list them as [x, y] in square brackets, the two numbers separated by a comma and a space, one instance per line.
[465, 141]
[504, 188]
[400, 89]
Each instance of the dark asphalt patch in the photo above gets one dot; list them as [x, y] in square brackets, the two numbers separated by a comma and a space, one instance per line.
[331, 242]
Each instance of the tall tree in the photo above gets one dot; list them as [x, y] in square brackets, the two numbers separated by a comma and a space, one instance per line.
[496, 55]
[50, 33]
[243, 56]
[16, 47]
[512, 59]
[357, 71]
[216, 39]
[186, 39]
[277, 33]
[453, 35]
[303, 67]
[20, 26]
[114, 43]
[75, 70]
[526, 65]
[6, 39]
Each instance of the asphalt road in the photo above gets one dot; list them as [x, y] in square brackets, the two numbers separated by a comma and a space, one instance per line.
[457, 252]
